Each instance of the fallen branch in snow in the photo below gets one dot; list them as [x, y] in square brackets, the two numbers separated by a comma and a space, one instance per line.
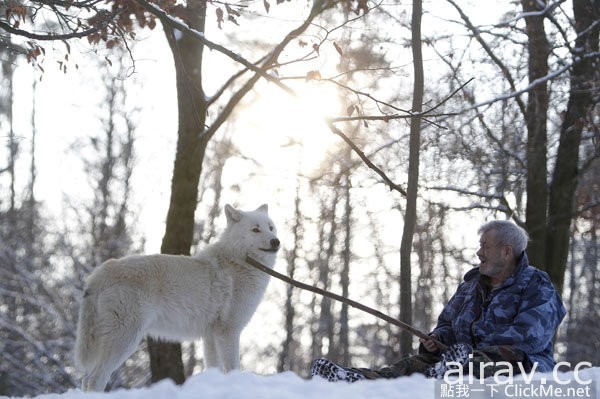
[345, 300]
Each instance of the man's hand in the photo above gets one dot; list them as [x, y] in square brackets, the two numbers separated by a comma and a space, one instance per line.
[430, 344]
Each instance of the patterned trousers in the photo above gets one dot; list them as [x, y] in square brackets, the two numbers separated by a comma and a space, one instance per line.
[421, 362]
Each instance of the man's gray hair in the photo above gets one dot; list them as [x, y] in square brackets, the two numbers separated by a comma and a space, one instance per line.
[507, 233]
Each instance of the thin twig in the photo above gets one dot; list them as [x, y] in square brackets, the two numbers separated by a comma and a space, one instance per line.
[106, 19]
[387, 118]
[366, 160]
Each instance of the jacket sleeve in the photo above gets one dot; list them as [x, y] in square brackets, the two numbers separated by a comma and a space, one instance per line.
[538, 316]
[443, 329]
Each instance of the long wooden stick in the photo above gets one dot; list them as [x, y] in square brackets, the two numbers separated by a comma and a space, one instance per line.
[350, 302]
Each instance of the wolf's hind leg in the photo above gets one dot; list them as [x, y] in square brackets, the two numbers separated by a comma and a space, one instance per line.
[121, 330]
[116, 348]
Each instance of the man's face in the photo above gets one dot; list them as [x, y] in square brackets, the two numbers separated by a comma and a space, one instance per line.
[491, 256]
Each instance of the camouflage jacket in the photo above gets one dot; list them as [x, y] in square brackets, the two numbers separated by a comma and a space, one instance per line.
[524, 312]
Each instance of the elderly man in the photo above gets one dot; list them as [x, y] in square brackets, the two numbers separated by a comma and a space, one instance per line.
[504, 311]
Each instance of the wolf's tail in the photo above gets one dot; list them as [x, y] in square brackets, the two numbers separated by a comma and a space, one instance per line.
[85, 342]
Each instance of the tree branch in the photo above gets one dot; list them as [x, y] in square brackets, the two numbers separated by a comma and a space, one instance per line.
[387, 118]
[347, 301]
[491, 54]
[53, 36]
[266, 61]
[534, 83]
[366, 160]
[177, 24]
[393, 186]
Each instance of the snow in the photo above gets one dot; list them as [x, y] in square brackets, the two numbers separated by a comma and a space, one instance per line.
[213, 384]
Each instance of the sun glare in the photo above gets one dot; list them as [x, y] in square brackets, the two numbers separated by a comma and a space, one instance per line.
[295, 121]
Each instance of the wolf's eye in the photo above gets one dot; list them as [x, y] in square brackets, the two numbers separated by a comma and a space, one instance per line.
[271, 228]
[256, 230]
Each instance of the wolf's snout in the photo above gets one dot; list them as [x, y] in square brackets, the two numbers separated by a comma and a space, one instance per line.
[275, 243]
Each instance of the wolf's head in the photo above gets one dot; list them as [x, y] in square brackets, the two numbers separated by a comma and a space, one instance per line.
[251, 233]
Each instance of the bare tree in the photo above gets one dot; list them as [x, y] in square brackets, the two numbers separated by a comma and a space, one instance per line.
[323, 327]
[343, 347]
[410, 217]
[27, 291]
[583, 97]
[536, 115]
[582, 283]
[287, 359]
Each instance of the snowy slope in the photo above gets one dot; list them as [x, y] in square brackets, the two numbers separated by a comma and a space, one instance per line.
[245, 385]
[212, 384]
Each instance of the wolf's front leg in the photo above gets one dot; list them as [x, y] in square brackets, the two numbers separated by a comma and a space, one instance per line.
[211, 356]
[228, 349]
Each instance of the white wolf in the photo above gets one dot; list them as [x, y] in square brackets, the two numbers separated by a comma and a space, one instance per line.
[212, 295]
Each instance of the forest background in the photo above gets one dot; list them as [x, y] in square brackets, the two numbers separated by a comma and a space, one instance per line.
[380, 134]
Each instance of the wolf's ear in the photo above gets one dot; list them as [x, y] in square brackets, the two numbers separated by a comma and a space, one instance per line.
[232, 214]
[263, 208]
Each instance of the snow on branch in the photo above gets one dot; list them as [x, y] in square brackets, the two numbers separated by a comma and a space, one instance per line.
[184, 28]
[534, 83]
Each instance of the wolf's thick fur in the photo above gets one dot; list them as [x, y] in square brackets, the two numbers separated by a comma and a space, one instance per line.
[212, 295]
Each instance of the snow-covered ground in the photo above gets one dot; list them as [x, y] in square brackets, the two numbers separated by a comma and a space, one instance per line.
[212, 384]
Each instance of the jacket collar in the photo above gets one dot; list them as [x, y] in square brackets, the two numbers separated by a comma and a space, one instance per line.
[522, 263]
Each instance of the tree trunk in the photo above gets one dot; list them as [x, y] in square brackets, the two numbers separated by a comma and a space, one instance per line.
[565, 176]
[286, 355]
[344, 340]
[536, 117]
[413, 182]
[326, 320]
[323, 329]
[165, 358]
